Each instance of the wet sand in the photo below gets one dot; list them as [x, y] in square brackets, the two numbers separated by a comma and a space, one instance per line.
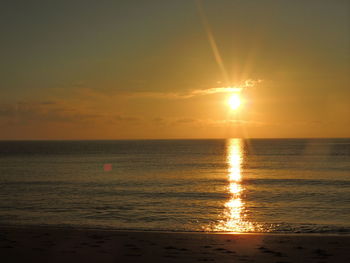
[44, 244]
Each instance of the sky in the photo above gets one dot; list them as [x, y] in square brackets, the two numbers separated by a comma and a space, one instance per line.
[162, 69]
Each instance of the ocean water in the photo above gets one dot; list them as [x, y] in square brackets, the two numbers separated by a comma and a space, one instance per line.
[233, 185]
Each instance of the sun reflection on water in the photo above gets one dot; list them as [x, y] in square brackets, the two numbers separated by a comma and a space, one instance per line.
[234, 217]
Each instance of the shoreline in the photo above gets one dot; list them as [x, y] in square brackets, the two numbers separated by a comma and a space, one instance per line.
[69, 244]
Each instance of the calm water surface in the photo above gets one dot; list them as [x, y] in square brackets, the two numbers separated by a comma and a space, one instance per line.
[260, 185]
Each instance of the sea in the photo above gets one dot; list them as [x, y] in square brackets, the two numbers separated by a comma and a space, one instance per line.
[217, 185]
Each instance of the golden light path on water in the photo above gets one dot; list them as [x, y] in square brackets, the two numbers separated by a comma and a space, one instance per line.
[234, 217]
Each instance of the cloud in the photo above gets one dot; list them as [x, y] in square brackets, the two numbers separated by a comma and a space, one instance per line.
[5, 110]
[214, 91]
[221, 123]
[123, 118]
[198, 92]
[183, 95]
[198, 122]
[185, 121]
[25, 112]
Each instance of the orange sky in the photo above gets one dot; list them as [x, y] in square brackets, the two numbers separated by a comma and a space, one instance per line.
[131, 70]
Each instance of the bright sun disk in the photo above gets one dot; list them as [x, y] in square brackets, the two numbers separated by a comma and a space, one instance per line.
[235, 101]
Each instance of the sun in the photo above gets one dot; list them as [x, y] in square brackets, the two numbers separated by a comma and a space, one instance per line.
[235, 101]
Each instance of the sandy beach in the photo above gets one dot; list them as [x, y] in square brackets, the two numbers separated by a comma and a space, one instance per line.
[44, 244]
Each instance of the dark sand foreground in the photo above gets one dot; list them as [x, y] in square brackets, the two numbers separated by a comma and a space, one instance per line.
[81, 245]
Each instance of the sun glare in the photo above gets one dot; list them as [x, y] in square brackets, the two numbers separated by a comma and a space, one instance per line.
[235, 101]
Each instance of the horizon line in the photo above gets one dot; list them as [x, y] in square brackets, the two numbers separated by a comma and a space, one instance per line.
[174, 139]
